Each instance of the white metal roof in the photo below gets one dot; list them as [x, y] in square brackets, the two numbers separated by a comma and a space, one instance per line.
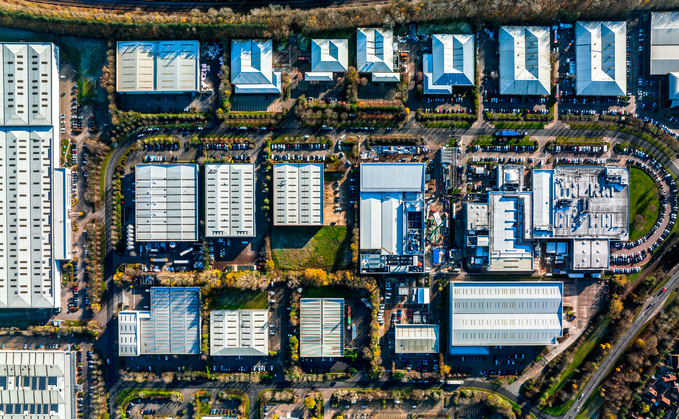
[511, 228]
[329, 55]
[321, 330]
[664, 42]
[318, 76]
[542, 199]
[229, 200]
[63, 230]
[157, 66]
[451, 63]
[42, 383]
[173, 326]
[382, 222]
[298, 194]
[416, 338]
[590, 254]
[375, 50]
[166, 202]
[505, 313]
[392, 177]
[386, 77]
[524, 60]
[239, 332]
[252, 66]
[600, 58]
[128, 333]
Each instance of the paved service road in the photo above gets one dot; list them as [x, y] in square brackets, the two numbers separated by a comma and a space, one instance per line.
[652, 307]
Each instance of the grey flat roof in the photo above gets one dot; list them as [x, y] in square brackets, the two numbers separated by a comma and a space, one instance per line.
[298, 194]
[321, 331]
[166, 207]
[590, 254]
[239, 332]
[392, 177]
[664, 42]
[174, 324]
[416, 338]
[505, 313]
[229, 200]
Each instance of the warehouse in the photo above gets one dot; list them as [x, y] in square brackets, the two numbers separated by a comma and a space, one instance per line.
[321, 331]
[524, 60]
[166, 207]
[416, 339]
[451, 63]
[505, 313]
[252, 67]
[664, 43]
[239, 333]
[600, 57]
[229, 200]
[38, 384]
[392, 218]
[328, 56]
[298, 194]
[35, 232]
[157, 66]
[375, 54]
[171, 327]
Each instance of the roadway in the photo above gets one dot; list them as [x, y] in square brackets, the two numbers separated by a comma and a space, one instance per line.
[437, 136]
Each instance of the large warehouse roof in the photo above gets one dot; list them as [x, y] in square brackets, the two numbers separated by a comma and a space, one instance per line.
[321, 329]
[239, 332]
[664, 42]
[524, 60]
[167, 208]
[600, 57]
[41, 383]
[451, 63]
[329, 55]
[173, 326]
[229, 200]
[392, 177]
[157, 66]
[505, 313]
[375, 50]
[416, 338]
[30, 241]
[298, 194]
[252, 67]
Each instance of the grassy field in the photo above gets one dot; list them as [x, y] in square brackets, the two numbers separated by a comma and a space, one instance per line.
[310, 247]
[578, 358]
[644, 203]
[330, 292]
[514, 405]
[244, 300]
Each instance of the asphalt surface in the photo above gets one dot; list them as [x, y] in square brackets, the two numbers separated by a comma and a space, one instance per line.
[437, 136]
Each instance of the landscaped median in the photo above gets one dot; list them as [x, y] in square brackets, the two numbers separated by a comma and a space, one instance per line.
[254, 119]
[577, 142]
[365, 113]
[128, 395]
[394, 139]
[444, 119]
[488, 140]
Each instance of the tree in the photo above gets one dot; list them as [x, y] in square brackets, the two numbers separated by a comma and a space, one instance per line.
[615, 307]
[445, 369]
[639, 343]
[351, 75]
[309, 403]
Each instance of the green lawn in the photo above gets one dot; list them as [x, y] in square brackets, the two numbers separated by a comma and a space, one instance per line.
[232, 299]
[297, 248]
[514, 405]
[644, 203]
[330, 292]
[519, 125]
[578, 358]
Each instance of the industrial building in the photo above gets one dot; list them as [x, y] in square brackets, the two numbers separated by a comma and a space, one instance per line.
[298, 194]
[505, 313]
[576, 208]
[524, 60]
[321, 329]
[35, 194]
[167, 203]
[416, 339]
[229, 200]
[392, 218]
[170, 327]
[600, 51]
[239, 333]
[38, 384]
[157, 66]
[252, 69]
[664, 43]
[451, 63]
[375, 54]
[328, 56]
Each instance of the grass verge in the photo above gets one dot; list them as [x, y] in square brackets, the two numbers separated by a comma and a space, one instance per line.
[232, 299]
[299, 248]
[102, 176]
[514, 405]
[644, 203]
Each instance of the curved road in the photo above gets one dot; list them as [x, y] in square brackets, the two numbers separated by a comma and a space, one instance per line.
[440, 136]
